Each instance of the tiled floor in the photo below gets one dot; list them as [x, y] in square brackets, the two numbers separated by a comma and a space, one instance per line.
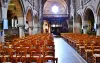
[65, 53]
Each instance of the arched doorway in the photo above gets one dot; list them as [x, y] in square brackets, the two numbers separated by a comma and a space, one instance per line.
[29, 23]
[46, 27]
[79, 24]
[89, 21]
[15, 19]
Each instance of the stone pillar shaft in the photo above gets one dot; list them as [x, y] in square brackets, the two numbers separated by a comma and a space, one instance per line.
[98, 22]
[21, 30]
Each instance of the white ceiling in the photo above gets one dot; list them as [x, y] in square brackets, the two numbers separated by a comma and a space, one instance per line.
[63, 9]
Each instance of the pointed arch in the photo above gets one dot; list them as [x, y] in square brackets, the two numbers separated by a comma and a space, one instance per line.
[89, 19]
[29, 14]
[86, 9]
[98, 9]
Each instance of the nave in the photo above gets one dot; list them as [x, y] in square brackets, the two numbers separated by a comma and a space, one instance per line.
[65, 53]
[41, 48]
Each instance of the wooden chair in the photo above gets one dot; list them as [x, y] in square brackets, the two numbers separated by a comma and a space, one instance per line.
[17, 56]
[96, 58]
[49, 54]
[88, 51]
[24, 55]
[9, 52]
[96, 53]
[2, 55]
[34, 54]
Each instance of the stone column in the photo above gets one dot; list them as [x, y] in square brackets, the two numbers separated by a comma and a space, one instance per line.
[30, 30]
[97, 19]
[21, 26]
[98, 31]
[73, 26]
[4, 16]
[35, 29]
[76, 27]
[39, 27]
[84, 31]
[21, 30]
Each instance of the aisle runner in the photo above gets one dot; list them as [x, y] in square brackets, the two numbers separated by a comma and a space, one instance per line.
[65, 53]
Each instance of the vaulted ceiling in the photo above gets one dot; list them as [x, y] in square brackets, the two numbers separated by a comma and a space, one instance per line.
[61, 4]
[43, 1]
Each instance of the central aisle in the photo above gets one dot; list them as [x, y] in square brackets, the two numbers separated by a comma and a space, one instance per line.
[65, 53]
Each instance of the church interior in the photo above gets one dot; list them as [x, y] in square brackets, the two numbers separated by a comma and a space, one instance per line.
[49, 31]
